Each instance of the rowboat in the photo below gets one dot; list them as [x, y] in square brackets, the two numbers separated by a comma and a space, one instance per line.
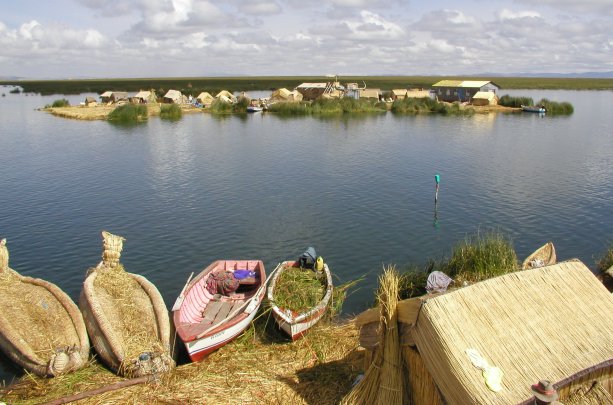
[254, 108]
[206, 316]
[296, 324]
[543, 256]
[41, 328]
[125, 316]
[534, 109]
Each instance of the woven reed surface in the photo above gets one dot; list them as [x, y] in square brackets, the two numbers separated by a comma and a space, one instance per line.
[34, 316]
[128, 311]
[545, 323]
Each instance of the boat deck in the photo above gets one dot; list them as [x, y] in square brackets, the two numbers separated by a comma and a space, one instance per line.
[213, 314]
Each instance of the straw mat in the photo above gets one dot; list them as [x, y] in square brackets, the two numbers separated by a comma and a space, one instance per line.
[545, 323]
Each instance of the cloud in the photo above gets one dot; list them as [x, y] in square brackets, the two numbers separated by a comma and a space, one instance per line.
[367, 27]
[599, 7]
[511, 15]
[260, 8]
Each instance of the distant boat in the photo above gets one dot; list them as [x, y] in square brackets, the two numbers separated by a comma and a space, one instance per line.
[254, 108]
[205, 320]
[297, 324]
[534, 109]
[41, 328]
[543, 256]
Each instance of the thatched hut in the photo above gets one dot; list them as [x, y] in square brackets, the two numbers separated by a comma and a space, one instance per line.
[90, 101]
[144, 97]
[370, 93]
[284, 95]
[419, 93]
[174, 97]
[226, 96]
[205, 98]
[110, 97]
[484, 98]
[398, 94]
[553, 322]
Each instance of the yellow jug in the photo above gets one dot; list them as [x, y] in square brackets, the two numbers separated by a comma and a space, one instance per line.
[319, 263]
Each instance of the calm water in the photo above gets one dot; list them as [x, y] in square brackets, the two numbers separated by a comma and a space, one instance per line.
[358, 189]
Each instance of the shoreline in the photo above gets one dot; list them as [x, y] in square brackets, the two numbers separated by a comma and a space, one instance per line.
[101, 112]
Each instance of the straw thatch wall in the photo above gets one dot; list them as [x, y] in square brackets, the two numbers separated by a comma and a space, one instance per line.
[546, 323]
[553, 323]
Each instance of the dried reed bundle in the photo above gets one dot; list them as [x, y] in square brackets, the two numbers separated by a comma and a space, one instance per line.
[383, 381]
[4, 256]
[112, 247]
[130, 314]
[590, 394]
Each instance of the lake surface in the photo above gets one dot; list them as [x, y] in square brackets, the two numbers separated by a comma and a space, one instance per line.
[359, 189]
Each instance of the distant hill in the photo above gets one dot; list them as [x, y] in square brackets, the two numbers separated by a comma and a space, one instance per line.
[586, 75]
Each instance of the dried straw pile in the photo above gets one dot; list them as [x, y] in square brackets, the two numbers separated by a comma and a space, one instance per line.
[129, 311]
[384, 380]
[35, 314]
[260, 368]
[298, 289]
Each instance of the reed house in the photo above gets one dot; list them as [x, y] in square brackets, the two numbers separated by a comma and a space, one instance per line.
[487, 343]
[462, 90]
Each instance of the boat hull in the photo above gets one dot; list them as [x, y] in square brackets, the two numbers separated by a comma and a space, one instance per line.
[296, 325]
[204, 329]
[543, 256]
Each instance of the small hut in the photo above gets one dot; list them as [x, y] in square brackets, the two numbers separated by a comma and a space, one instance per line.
[311, 91]
[284, 95]
[90, 101]
[419, 93]
[398, 94]
[370, 93]
[144, 97]
[484, 98]
[174, 97]
[112, 97]
[205, 98]
[226, 96]
[487, 343]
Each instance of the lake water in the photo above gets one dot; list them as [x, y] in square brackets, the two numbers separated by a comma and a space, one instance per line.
[359, 189]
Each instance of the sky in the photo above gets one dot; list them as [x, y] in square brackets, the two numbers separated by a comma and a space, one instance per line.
[42, 39]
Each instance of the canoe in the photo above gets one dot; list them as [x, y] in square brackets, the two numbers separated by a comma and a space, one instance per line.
[41, 328]
[543, 256]
[293, 323]
[534, 109]
[125, 316]
[205, 319]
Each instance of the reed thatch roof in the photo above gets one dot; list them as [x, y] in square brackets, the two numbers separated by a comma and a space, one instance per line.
[546, 323]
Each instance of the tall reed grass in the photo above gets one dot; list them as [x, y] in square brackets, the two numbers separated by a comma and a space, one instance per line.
[62, 102]
[322, 106]
[556, 108]
[128, 113]
[481, 256]
[515, 102]
[170, 112]
[606, 260]
[428, 105]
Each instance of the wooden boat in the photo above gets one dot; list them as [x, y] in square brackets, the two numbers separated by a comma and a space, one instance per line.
[254, 108]
[125, 316]
[543, 256]
[534, 109]
[297, 324]
[41, 328]
[206, 321]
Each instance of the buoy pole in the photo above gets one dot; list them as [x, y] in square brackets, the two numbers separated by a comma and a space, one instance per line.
[437, 179]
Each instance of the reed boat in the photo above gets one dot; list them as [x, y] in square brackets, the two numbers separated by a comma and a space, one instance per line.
[125, 316]
[296, 324]
[41, 328]
[218, 305]
[543, 256]
[534, 109]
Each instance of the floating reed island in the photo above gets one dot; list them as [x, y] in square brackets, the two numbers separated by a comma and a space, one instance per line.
[474, 328]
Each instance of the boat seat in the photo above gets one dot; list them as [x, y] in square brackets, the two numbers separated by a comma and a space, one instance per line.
[247, 281]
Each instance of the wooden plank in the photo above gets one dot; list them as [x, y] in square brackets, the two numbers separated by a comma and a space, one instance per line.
[224, 310]
[211, 310]
[368, 316]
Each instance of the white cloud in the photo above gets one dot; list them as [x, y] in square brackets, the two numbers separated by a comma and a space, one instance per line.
[511, 15]
[260, 8]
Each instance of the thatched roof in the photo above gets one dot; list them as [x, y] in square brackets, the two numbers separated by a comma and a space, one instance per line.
[399, 92]
[416, 93]
[485, 95]
[225, 94]
[174, 95]
[370, 93]
[546, 323]
[143, 94]
[284, 94]
[204, 96]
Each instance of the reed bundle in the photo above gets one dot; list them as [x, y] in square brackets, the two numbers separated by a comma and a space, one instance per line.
[298, 289]
[383, 381]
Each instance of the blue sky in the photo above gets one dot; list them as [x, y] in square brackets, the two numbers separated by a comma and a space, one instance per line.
[159, 38]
